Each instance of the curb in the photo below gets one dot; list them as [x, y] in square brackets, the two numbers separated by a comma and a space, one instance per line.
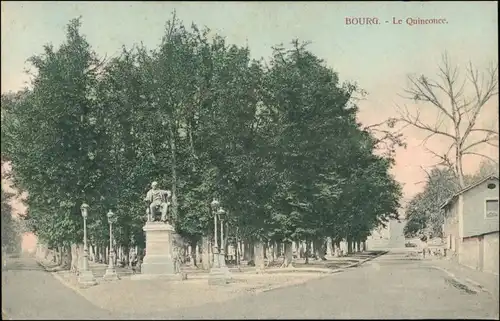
[367, 259]
[294, 270]
[324, 274]
[464, 283]
[318, 270]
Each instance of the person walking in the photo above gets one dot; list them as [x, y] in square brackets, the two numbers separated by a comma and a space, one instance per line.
[424, 245]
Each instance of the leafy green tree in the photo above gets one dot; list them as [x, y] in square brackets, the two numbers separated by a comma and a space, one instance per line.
[11, 234]
[424, 214]
[52, 143]
[278, 145]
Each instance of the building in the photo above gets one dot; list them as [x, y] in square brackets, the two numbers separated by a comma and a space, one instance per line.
[389, 237]
[471, 228]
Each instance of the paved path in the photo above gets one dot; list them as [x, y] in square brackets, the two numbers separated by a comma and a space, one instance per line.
[391, 286]
[29, 292]
[477, 279]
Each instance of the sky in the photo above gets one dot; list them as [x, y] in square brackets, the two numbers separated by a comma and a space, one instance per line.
[378, 57]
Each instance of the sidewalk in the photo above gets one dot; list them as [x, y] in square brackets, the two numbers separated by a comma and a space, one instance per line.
[330, 265]
[158, 296]
[477, 280]
[131, 296]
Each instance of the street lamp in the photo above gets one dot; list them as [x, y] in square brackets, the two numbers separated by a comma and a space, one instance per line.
[219, 273]
[215, 206]
[111, 271]
[222, 252]
[86, 276]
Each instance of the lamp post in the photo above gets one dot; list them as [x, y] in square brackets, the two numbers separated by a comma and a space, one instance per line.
[219, 273]
[222, 252]
[111, 271]
[215, 206]
[86, 276]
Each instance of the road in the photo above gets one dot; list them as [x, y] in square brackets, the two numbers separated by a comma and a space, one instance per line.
[29, 292]
[390, 286]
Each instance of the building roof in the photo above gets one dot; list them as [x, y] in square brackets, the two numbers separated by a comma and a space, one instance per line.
[449, 200]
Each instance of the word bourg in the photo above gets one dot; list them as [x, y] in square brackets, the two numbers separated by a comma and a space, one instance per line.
[394, 21]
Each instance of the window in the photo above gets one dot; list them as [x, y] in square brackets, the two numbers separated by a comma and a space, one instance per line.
[491, 208]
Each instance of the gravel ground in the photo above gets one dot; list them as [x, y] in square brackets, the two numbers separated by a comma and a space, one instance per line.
[390, 287]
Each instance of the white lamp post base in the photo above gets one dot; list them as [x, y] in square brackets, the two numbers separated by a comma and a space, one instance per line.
[86, 277]
[110, 275]
[219, 276]
[219, 273]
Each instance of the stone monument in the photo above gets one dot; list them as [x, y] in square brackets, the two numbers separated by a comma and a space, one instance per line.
[159, 259]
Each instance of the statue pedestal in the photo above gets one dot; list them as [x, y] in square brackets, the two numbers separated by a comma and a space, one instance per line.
[159, 261]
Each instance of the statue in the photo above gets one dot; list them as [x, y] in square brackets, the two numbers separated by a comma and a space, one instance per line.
[158, 200]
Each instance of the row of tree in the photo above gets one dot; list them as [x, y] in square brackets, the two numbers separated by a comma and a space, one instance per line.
[277, 143]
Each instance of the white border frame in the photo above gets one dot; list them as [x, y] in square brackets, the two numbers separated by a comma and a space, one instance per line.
[486, 199]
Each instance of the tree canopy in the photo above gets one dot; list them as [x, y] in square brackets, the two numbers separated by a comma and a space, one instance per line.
[277, 143]
[424, 213]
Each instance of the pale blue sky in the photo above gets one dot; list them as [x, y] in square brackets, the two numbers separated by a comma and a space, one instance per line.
[363, 53]
[376, 56]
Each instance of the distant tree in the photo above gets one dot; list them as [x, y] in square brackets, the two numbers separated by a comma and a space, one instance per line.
[10, 228]
[423, 212]
[487, 168]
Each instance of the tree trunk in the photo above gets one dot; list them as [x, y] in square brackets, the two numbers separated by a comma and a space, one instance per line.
[275, 251]
[458, 160]
[115, 250]
[66, 257]
[247, 255]
[349, 245]
[226, 247]
[259, 255]
[193, 256]
[320, 247]
[301, 251]
[199, 254]
[238, 253]
[337, 248]
[100, 254]
[308, 249]
[126, 254]
[329, 246]
[205, 256]
[104, 254]
[76, 258]
[251, 251]
[287, 262]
